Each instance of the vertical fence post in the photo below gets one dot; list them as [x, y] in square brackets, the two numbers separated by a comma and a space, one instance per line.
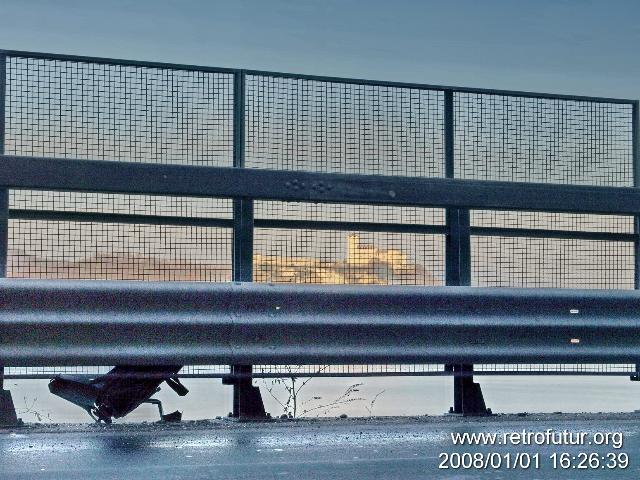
[635, 146]
[467, 395]
[247, 401]
[4, 193]
[458, 243]
[242, 207]
[8, 415]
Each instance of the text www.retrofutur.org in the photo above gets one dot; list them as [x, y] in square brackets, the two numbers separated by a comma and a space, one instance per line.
[588, 450]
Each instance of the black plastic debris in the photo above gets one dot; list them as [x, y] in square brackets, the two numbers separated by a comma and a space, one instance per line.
[120, 391]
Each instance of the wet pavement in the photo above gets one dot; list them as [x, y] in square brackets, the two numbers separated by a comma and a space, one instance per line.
[399, 448]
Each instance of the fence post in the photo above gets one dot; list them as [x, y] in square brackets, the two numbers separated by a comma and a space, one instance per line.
[635, 146]
[247, 401]
[4, 193]
[467, 395]
[8, 415]
[242, 207]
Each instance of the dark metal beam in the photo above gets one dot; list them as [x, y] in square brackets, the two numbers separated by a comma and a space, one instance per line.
[60, 215]
[457, 257]
[65, 216]
[559, 234]
[140, 178]
[247, 401]
[242, 207]
[458, 248]
[350, 226]
[105, 323]
[243, 240]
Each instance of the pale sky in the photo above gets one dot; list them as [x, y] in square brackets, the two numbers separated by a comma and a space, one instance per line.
[586, 47]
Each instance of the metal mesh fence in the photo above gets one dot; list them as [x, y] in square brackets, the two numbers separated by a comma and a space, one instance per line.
[331, 212]
[299, 124]
[111, 251]
[342, 255]
[338, 257]
[558, 368]
[552, 221]
[152, 205]
[75, 109]
[539, 140]
[526, 261]
[288, 371]
[550, 262]
[79, 109]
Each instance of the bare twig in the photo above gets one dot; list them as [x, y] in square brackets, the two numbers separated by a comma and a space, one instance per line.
[30, 410]
[370, 407]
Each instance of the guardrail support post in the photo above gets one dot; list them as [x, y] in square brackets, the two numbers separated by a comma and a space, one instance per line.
[8, 416]
[247, 401]
[467, 395]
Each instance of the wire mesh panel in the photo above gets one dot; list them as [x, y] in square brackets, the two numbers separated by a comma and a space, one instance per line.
[89, 202]
[76, 109]
[551, 262]
[356, 370]
[92, 110]
[527, 261]
[300, 124]
[333, 212]
[510, 138]
[557, 369]
[552, 221]
[41, 248]
[112, 251]
[338, 257]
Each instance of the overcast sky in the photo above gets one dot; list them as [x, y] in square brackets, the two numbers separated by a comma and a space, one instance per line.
[576, 47]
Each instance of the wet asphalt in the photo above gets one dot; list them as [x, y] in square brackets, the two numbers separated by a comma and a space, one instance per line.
[382, 448]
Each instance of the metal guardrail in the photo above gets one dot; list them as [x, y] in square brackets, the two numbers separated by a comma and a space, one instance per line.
[449, 119]
[89, 323]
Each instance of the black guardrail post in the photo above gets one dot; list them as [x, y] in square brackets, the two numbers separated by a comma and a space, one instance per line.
[8, 415]
[467, 395]
[247, 400]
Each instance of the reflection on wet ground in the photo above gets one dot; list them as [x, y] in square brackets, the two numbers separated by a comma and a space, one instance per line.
[405, 448]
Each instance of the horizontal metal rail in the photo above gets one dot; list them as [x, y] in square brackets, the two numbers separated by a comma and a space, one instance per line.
[100, 217]
[55, 323]
[155, 179]
[316, 78]
[66, 216]
[349, 370]
[435, 373]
